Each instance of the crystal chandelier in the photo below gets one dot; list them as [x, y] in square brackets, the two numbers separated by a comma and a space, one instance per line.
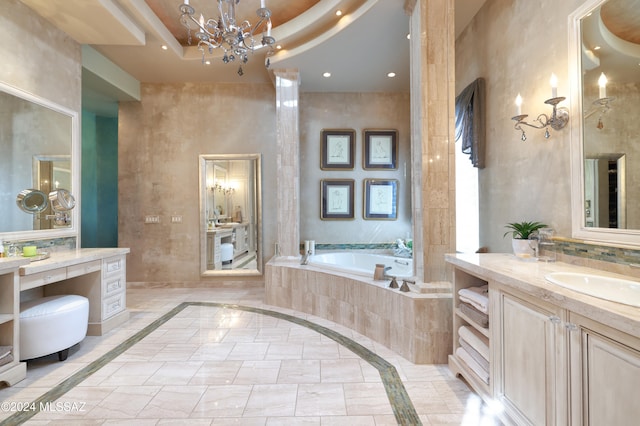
[235, 39]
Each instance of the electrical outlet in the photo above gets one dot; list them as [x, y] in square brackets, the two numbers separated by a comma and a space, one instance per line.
[176, 219]
[152, 219]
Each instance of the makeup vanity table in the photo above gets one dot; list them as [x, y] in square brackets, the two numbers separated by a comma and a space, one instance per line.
[99, 274]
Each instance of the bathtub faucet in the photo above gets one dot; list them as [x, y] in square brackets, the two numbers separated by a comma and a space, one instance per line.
[305, 258]
[401, 249]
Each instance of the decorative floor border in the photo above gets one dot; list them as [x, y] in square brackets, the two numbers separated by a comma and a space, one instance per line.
[401, 404]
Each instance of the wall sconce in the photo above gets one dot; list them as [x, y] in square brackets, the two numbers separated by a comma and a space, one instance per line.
[603, 103]
[559, 117]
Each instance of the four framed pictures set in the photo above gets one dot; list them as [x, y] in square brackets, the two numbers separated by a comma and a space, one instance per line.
[379, 152]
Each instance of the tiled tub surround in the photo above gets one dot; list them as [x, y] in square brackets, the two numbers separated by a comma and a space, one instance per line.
[416, 324]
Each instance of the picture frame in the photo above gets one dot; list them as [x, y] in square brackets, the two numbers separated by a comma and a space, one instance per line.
[380, 149]
[337, 149]
[337, 199]
[380, 199]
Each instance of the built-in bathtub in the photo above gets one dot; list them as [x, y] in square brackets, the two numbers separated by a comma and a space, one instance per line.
[416, 324]
[363, 263]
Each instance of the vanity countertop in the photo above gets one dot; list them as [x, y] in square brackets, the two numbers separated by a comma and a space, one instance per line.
[529, 277]
[61, 259]
[8, 263]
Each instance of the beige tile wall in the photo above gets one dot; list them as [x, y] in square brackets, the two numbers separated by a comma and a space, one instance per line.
[417, 326]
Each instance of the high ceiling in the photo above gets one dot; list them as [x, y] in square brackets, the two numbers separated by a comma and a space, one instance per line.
[358, 48]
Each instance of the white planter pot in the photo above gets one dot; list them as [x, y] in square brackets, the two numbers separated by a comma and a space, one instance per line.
[524, 248]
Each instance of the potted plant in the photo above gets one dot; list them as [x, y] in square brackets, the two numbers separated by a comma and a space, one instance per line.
[521, 232]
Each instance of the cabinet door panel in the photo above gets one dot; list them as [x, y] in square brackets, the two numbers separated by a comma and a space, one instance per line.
[612, 377]
[528, 361]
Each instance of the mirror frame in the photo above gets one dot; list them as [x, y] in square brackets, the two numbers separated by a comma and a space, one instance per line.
[73, 230]
[628, 237]
[203, 216]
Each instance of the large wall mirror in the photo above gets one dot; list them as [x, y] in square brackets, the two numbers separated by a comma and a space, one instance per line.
[39, 143]
[605, 147]
[230, 215]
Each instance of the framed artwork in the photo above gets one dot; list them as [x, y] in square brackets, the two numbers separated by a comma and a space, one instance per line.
[381, 199]
[337, 149]
[380, 149]
[336, 199]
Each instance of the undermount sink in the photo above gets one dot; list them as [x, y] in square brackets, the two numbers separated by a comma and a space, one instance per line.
[607, 288]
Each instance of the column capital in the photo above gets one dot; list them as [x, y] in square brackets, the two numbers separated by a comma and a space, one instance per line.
[288, 73]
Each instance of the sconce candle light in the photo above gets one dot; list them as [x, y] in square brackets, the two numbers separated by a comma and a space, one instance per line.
[559, 116]
[603, 103]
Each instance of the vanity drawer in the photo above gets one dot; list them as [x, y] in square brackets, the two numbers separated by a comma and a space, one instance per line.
[42, 278]
[113, 285]
[113, 305]
[113, 265]
[83, 268]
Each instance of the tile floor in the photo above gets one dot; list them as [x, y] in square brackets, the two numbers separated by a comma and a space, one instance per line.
[210, 365]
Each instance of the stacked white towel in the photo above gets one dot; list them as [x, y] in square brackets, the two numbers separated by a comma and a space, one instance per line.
[6, 354]
[474, 351]
[478, 297]
[472, 364]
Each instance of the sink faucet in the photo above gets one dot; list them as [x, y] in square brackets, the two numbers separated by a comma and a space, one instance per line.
[305, 258]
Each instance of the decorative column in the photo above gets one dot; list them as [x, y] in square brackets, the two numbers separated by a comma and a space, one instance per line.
[288, 179]
[432, 141]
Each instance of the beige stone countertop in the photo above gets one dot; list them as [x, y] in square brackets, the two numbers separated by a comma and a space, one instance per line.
[227, 226]
[61, 259]
[528, 276]
[8, 263]
[220, 230]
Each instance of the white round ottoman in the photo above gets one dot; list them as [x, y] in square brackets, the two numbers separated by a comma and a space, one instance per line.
[52, 324]
[226, 252]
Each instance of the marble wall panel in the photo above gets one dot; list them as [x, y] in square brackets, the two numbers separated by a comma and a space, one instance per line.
[522, 180]
[39, 58]
[160, 139]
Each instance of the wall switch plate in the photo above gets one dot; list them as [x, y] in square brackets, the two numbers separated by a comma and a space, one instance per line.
[176, 219]
[152, 219]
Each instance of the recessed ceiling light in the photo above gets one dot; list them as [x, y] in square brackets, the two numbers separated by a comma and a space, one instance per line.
[164, 47]
[596, 47]
[278, 46]
[408, 36]
[207, 62]
[338, 12]
[391, 74]
[326, 74]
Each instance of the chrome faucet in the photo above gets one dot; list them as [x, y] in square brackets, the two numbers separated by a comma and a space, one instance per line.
[305, 258]
[387, 268]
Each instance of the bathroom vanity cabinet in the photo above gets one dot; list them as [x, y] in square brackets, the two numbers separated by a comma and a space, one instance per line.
[557, 357]
[12, 371]
[97, 274]
[236, 234]
[528, 363]
[605, 366]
